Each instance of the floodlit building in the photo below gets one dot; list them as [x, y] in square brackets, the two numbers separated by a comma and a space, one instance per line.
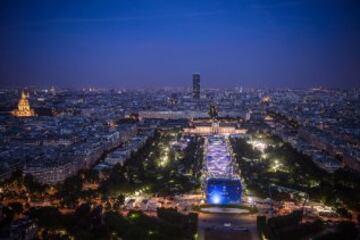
[207, 128]
[23, 109]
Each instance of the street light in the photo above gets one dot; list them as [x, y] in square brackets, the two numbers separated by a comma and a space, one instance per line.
[251, 201]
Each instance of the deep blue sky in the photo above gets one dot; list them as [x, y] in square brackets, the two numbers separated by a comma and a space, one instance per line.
[291, 43]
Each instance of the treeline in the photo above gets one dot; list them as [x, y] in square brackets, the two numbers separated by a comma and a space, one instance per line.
[301, 173]
[290, 227]
[92, 223]
[142, 169]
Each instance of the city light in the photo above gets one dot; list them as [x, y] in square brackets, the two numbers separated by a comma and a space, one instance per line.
[250, 200]
[276, 165]
[134, 215]
[164, 159]
[196, 236]
[258, 145]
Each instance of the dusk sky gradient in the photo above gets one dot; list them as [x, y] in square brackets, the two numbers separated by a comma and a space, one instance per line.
[152, 43]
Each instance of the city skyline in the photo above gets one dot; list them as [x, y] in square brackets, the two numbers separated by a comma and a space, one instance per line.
[138, 44]
[181, 120]
[171, 164]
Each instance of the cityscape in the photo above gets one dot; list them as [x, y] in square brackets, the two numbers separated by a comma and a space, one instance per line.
[195, 159]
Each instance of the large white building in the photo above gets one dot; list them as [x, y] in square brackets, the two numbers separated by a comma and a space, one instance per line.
[215, 128]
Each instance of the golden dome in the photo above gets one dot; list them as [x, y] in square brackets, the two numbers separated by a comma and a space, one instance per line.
[23, 109]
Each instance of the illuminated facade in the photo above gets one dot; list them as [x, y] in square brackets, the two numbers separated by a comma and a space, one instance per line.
[215, 128]
[23, 109]
[266, 99]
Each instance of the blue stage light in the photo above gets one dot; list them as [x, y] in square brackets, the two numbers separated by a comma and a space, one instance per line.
[223, 191]
[216, 199]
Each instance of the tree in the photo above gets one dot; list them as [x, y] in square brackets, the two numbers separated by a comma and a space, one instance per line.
[32, 185]
[116, 222]
[120, 199]
[347, 230]
[71, 185]
[91, 176]
[343, 212]
[17, 175]
[261, 224]
[70, 190]
[16, 207]
[7, 216]
[48, 217]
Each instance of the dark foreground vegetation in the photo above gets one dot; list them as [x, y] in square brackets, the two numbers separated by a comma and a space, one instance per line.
[89, 223]
[291, 227]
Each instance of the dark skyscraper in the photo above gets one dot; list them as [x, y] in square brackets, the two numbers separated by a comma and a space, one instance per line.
[196, 86]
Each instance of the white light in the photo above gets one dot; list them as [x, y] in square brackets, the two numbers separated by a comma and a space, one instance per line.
[216, 199]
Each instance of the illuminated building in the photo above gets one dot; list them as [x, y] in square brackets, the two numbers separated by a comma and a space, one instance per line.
[209, 128]
[23, 109]
[54, 173]
[196, 86]
[266, 99]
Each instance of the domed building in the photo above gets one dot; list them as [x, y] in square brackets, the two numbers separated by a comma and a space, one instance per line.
[23, 109]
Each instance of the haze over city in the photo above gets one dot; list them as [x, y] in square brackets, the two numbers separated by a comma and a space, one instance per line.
[129, 44]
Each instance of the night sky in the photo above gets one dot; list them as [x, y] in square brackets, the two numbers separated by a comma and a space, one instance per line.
[150, 43]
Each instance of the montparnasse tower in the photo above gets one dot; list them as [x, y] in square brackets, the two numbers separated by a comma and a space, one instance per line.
[23, 109]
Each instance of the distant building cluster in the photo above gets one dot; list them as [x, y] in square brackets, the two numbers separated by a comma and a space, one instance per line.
[323, 124]
[67, 130]
[124, 152]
